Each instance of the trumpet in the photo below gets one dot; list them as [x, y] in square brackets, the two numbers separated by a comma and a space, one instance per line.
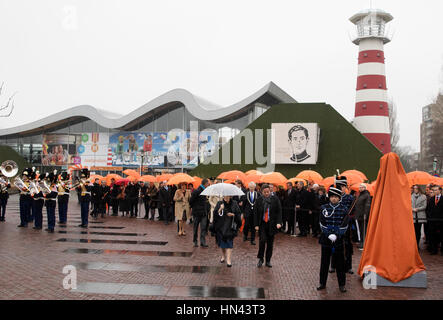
[34, 188]
[18, 182]
[44, 188]
[81, 183]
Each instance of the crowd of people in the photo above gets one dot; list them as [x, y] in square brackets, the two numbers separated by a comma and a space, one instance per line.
[336, 216]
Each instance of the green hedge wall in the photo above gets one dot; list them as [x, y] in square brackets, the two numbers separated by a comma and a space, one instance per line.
[341, 145]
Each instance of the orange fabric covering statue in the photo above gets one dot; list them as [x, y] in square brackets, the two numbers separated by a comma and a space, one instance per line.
[390, 244]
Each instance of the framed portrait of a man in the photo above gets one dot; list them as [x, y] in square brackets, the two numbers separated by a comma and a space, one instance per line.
[295, 143]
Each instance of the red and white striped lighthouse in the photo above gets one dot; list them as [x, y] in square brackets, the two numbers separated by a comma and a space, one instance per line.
[371, 105]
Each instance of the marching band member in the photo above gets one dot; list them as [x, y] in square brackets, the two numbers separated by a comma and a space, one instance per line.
[4, 195]
[51, 200]
[38, 203]
[63, 198]
[25, 198]
[85, 197]
[333, 224]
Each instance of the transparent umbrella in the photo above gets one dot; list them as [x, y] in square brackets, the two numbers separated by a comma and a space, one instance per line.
[222, 189]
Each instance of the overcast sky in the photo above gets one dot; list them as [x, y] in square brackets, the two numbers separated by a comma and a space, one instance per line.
[117, 55]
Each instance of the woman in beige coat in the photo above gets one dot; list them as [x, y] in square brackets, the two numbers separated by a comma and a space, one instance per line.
[182, 208]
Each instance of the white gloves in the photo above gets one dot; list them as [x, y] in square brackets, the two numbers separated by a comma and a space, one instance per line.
[332, 237]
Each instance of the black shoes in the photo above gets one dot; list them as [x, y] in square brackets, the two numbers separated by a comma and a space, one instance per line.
[204, 245]
[350, 271]
[195, 244]
[302, 235]
[222, 260]
[21, 226]
[253, 243]
[83, 225]
[37, 228]
[50, 230]
[342, 289]
[260, 263]
[332, 270]
[321, 287]
[268, 264]
[229, 265]
[245, 239]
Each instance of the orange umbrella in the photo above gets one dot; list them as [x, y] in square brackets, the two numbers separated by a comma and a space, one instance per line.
[310, 176]
[327, 182]
[181, 178]
[275, 178]
[232, 175]
[295, 180]
[419, 177]
[163, 177]
[390, 247]
[92, 177]
[438, 181]
[147, 178]
[253, 172]
[355, 172]
[197, 182]
[252, 178]
[353, 178]
[110, 176]
[131, 172]
[132, 178]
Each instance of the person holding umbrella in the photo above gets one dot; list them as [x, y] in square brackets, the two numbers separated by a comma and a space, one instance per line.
[227, 218]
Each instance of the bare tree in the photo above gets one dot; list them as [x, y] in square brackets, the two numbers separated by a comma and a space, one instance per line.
[394, 127]
[8, 106]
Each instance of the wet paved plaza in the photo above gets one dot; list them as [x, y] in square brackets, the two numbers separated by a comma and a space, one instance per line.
[127, 258]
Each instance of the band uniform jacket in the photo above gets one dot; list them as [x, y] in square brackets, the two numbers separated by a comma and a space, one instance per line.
[275, 214]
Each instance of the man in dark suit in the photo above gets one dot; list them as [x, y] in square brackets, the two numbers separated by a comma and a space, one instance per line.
[289, 209]
[268, 220]
[304, 206]
[166, 202]
[200, 210]
[250, 200]
[435, 214]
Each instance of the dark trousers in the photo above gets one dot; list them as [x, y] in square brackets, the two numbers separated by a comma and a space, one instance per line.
[314, 221]
[63, 211]
[31, 211]
[38, 213]
[50, 211]
[84, 207]
[167, 213]
[134, 206]
[3, 203]
[266, 242]
[146, 203]
[291, 222]
[303, 221]
[348, 252]
[203, 222]
[102, 207]
[436, 235]
[249, 226]
[417, 227]
[338, 257]
[25, 210]
[114, 204]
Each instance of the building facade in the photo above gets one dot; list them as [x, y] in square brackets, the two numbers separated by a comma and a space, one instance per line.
[431, 131]
[175, 131]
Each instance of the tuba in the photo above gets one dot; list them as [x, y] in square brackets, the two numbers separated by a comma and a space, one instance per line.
[9, 168]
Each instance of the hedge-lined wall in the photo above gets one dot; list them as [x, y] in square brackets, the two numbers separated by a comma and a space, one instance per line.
[7, 153]
[341, 145]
